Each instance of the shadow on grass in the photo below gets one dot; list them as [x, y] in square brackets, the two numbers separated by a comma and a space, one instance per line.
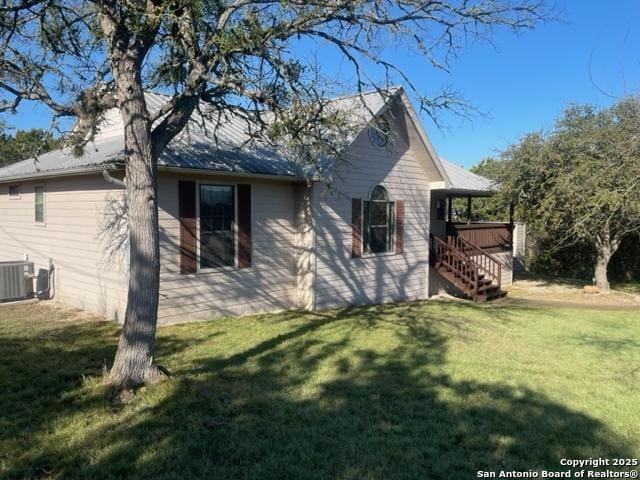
[606, 344]
[319, 399]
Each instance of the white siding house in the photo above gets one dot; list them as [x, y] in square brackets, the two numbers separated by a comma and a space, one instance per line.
[374, 277]
[75, 234]
[242, 231]
[268, 285]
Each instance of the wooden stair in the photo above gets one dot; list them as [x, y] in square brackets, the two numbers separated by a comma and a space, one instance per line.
[468, 267]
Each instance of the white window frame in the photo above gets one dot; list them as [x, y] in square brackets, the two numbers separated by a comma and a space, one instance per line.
[15, 197]
[44, 205]
[228, 268]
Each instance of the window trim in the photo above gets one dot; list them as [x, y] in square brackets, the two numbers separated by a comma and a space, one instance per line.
[374, 130]
[44, 205]
[15, 197]
[226, 268]
[391, 205]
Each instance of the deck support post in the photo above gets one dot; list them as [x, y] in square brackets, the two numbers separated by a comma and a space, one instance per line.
[511, 228]
[450, 201]
[469, 209]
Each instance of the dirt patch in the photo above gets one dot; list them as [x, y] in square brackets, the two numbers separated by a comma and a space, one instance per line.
[545, 292]
[45, 311]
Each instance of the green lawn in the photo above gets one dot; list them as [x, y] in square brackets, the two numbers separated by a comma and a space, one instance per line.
[424, 390]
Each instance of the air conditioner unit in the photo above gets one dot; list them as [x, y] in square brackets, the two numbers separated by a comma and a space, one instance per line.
[16, 280]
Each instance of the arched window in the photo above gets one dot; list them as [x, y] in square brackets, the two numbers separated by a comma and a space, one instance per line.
[378, 221]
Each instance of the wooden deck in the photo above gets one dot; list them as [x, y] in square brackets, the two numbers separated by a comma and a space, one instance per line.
[485, 235]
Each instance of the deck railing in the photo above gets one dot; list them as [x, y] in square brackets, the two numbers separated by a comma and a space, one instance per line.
[467, 262]
[484, 235]
[488, 264]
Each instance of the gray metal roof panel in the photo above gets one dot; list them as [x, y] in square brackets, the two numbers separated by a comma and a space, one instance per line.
[230, 149]
[105, 152]
[463, 180]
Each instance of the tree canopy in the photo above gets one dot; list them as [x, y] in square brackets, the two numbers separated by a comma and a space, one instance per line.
[580, 183]
[25, 144]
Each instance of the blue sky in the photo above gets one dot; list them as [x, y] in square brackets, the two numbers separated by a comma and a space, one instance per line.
[526, 83]
[523, 83]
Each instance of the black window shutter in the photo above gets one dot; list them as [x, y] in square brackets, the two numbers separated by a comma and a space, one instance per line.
[399, 226]
[356, 228]
[187, 216]
[244, 226]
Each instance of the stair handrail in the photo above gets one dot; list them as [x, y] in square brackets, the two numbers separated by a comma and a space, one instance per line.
[462, 256]
[494, 271]
[475, 247]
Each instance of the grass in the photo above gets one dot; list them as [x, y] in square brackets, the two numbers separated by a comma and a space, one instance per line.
[423, 390]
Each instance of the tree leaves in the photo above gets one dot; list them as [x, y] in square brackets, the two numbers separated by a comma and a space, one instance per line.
[581, 182]
[25, 144]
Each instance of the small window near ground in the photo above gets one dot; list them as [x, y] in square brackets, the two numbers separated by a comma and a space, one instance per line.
[217, 226]
[378, 222]
[14, 192]
[39, 203]
[440, 209]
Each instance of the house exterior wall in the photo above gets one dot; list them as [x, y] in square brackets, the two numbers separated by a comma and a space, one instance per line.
[305, 249]
[342, 280]
[506, 259]
[438, 227]
[268, 285]
[81, 235]
[519, 246]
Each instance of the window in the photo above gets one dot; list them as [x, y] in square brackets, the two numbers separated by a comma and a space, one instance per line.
[14, 192]
[378, 222]
[440, 209]
[217, 220]
[39, 203]
[380, 132]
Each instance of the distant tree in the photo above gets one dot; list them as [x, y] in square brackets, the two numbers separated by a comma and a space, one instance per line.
[496, 207]
[25, 144]
[580, 184]
[242, 57]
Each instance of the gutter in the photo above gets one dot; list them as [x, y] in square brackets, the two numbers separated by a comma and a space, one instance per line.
[87, 170]
[204, 171]
[60, 173]
[464, 192]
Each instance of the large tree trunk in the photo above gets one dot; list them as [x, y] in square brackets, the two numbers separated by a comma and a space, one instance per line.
[602, 263]
[133, 364]
[605, 247]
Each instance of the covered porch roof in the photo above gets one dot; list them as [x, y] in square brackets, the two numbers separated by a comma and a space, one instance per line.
[463, 183]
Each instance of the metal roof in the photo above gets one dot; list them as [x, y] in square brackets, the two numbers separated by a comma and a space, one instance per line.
[464, 182]
[231, 149]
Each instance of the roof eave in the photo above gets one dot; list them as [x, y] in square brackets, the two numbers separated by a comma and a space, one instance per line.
[464, 192]
[218, 173]
[60, 173]
[413, 115]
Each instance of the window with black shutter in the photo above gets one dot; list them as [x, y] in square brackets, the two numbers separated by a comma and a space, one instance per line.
[378, 225]
[217, 226]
